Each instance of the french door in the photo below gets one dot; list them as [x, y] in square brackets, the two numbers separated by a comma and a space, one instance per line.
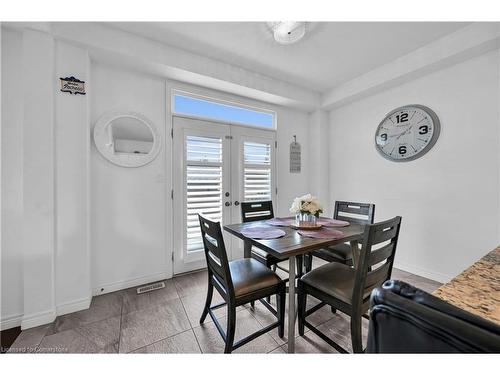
[216, 166]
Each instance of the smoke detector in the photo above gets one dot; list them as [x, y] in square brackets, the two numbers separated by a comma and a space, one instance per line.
[287, 32]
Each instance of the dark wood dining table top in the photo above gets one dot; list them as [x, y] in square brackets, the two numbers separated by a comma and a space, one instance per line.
[292, 243]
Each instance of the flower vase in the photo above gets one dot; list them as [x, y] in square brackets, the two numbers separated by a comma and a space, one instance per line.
[305, 220]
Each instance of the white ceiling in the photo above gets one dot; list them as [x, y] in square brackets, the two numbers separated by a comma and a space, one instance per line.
[330, 53]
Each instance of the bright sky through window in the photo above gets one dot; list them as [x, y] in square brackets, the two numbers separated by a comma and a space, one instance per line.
[217, 111]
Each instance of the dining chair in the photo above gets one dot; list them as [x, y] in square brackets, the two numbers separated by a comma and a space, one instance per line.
[263, 210]
[348, 288]
[357, 213]
[238, 282]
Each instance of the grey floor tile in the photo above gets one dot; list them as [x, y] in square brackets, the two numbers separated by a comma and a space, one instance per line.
[105, 334]
[420, 282]
[339, 330]
[265, 318]
[211, 342]
[101, 307]
[310, 344]
[191, 283]
[278, 350]
[184, 342]
[144, 327]
[29, 339]
[194, 304]
[69, 341]
[133, 301]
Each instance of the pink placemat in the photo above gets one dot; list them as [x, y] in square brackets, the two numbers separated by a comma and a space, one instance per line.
[263, 233]
[327, 222]
[322, 233]
[281, 221]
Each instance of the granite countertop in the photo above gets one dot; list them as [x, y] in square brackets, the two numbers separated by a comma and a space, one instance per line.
[477, 289]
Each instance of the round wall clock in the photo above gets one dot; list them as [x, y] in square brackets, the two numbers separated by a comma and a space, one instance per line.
[407, 133]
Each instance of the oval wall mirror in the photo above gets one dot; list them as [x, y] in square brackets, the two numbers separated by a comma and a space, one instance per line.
[127, 139]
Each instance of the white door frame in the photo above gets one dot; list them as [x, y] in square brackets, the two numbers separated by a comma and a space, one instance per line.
[184, 127]
[239, 135]
[233, 137]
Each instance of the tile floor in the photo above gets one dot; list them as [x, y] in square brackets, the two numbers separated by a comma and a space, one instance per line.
[167, 321]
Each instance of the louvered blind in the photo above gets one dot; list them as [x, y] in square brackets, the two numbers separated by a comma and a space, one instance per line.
[203, 185]
[257, 171]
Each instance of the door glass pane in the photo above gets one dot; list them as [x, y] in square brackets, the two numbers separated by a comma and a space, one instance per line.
[203, 186]
[257, 171]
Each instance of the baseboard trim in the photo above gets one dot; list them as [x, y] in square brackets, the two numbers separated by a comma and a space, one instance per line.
[11, 322]
[436, 276]
[73, 306]
[124, 284]
[38, 319]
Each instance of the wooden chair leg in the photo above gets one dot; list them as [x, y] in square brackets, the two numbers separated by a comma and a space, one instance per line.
[252, 304]
[357, 345]
[302, 301]
[300, 266]
[231, 328]
[208, 302]
[334, 310]
[280, 307]
[308, 261]
[273, 268]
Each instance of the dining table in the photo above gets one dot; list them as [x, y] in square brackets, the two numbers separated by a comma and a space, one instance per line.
[290, 245]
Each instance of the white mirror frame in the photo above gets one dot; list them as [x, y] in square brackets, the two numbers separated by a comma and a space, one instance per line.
[105, 147]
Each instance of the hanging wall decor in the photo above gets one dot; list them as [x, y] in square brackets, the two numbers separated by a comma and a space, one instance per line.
[72, 85]
[295, 157]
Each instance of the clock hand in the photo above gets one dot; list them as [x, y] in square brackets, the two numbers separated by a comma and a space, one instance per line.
[406, 131]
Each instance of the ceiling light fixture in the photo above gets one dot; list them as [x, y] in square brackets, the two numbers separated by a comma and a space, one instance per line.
[287, 32]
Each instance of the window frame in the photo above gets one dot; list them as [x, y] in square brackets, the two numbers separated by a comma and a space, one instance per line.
[188, 94]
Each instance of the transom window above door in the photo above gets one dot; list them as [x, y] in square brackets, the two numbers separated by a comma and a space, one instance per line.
[193, 106]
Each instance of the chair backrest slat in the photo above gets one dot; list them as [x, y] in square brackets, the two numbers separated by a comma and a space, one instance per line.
[375, 264]
[215, 253]
[253, 211]
[358, 213]
[377, 277]
[379, 255]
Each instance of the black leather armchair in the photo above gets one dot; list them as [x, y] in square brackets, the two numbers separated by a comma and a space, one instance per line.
[404, 319]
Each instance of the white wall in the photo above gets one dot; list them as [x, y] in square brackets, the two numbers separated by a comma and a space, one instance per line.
[449, 198]
[12, 179]
[38, 178]
[128, 205]
[72, 143]
[71, 221]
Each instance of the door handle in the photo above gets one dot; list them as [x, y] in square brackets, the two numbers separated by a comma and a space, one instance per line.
[236, 203]
[227, 204]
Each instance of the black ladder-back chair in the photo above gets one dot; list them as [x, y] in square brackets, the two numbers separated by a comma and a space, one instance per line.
[263, 210]
[238, 282]
[342, 253]
[347, 288]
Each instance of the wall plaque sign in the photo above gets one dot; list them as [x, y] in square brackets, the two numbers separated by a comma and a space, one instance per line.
[295, 161]
[72, 85]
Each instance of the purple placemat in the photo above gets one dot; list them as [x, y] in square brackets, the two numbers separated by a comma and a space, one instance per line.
[327, 222]
[262, 233]
[281, 221]
[322, 233]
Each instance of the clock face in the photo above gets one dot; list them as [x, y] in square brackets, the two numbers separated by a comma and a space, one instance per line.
[407, 133]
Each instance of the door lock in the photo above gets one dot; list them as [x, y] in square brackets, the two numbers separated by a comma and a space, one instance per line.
[227, 194]
[236, 203]
[227, 204]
